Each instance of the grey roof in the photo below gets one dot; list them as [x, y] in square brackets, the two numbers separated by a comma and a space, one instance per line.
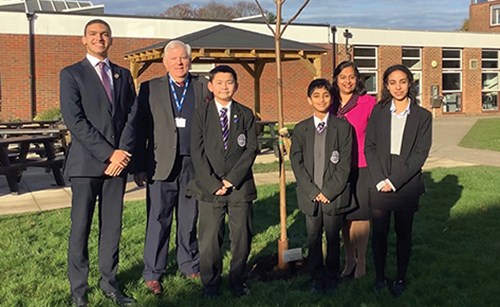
[222, 36]
[53, 6]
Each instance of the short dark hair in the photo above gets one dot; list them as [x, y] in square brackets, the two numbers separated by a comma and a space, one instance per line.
[224, 69]
[94, 21]
[318, 83]
[386, 96]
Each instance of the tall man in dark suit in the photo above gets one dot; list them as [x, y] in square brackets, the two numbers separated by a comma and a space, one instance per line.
[321, 161]
[163, 160]
[225, 139]
[98, 106]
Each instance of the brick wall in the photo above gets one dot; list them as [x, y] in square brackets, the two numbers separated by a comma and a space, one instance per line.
[471, 81]
[480, 19]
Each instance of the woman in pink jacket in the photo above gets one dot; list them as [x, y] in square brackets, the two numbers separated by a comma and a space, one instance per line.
[351, 102]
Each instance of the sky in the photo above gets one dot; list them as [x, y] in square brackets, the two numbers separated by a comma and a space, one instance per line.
[446, 15]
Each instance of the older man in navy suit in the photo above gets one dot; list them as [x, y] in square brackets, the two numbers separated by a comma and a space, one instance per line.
[98, 106]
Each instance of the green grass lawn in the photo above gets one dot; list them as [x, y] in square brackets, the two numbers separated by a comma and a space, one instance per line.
[485, 134]
[454, 260]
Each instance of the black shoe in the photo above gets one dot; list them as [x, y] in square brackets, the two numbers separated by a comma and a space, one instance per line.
[80, 301]
[317, 286]
[330, 287]
[398, 287]
[380, 285]
[120, 298]
[210, 293]
[240, 290]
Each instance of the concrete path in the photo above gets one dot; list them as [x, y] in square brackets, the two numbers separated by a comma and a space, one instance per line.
[39, 193]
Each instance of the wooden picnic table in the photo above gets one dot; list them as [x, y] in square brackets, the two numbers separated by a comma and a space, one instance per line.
[14, 163]
[30, 124]
[264, 141]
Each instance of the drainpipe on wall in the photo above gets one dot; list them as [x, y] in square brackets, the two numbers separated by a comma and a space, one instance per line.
[334, 48]
[32, 78]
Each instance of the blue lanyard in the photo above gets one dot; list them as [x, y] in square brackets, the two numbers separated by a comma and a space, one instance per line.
[177, 102]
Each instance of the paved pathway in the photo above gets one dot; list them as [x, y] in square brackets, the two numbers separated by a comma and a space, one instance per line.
[39, 193]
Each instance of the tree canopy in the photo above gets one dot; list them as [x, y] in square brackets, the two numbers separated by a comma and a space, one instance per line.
[216, 11]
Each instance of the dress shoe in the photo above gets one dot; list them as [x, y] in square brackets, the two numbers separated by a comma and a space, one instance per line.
[398, 287]
[80, 301]
[154, 286]
[120, 298]
[380, 285]
[210, 293]
[240, 290]
[317, 286]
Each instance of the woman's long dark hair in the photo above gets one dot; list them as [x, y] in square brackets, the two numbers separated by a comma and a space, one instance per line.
[360, 88]
[412, 90]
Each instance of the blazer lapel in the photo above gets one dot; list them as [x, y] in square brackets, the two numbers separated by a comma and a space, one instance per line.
[102, 101]
[213, 124]
[385, 127]
[165, 101]
[309, 145]
[115, 76]
[331, 140]
[234, 125]
[409, 133]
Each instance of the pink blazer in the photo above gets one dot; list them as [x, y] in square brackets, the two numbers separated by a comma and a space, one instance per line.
[358, 118]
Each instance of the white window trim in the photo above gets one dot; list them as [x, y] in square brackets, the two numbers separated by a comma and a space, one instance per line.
[497, 9]
[419, 58]
[461, 85]
[366, 57]
[453, 59]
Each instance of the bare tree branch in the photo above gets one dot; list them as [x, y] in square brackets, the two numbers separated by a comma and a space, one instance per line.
[294, 16]
[263, 13]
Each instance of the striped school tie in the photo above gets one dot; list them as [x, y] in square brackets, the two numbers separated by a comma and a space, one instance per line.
[224, 126]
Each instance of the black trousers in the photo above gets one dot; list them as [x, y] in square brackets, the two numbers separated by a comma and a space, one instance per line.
[212, 227]
[318, 267]
[109, 193]
[161, 200]
[403, 222]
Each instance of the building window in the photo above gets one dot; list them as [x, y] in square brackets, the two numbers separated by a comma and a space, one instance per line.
[452, 80]
[489, 80]
[366, 60]
[412, 58]
[495, 15]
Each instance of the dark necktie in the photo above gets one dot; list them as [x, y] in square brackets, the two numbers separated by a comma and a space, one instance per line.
[224, 126]
[105, 81]
[321, 127]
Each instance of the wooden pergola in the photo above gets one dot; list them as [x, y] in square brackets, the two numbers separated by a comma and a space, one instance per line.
[223, 44]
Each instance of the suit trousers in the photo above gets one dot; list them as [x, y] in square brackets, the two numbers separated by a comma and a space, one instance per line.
[162, 198]
[109, 192]
[320, 267]
[212, 227]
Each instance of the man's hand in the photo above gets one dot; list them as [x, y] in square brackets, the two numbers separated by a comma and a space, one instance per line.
[140, 179]
[322, 198]
[113, 170]
[120, 157]
[222, 191]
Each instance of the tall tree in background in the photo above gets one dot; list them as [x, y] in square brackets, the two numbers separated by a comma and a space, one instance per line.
[216, 11]
[278, 33]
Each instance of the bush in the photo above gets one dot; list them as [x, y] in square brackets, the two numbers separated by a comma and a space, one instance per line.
[49, 114]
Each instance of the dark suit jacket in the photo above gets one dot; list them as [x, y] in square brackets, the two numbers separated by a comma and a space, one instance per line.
[338, 138]
[96, 128]
[156, 149]
[406, 171]
[212, 163]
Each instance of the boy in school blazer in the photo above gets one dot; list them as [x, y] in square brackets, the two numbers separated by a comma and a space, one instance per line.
[321, 161]
[224, 147]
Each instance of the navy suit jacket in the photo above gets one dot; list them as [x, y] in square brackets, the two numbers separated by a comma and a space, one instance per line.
[97, 129]
[336, 173]
[405, 172]
[212, 162]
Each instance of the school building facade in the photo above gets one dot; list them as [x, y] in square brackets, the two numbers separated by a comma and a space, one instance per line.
[457, 72]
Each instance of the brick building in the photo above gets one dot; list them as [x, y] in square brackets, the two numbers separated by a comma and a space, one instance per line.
[484, 16]
[462, 67]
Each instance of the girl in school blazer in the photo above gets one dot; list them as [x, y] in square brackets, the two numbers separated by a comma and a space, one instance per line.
[398, 140]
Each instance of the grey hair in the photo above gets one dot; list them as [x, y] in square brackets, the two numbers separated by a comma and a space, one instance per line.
[176, 44]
